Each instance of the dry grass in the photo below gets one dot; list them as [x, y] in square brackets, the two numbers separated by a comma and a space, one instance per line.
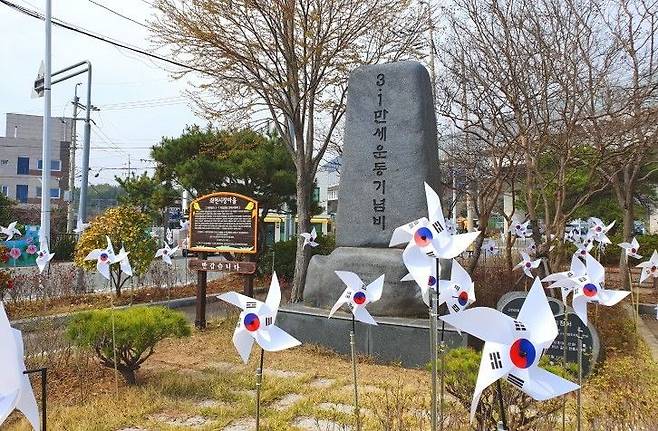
[183, 373]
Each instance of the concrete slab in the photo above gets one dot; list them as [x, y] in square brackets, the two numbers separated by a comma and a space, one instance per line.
[307, 423]
[287, 401]
[393, 340]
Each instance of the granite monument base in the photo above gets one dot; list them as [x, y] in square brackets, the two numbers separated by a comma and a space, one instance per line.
[400, 299]
[393, 340]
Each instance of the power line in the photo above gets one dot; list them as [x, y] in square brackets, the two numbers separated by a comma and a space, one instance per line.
[58, 22]
[119, 14]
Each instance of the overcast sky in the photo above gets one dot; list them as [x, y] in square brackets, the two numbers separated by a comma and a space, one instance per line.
[122, 81]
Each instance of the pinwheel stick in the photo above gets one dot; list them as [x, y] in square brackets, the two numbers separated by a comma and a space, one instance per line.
[44, 392]
[259, 382]
[442, 352]
[501, 404]
[565, 320]
[635, 298]
[114, 349]
[433, 357]
[580, 376]
[356, 393]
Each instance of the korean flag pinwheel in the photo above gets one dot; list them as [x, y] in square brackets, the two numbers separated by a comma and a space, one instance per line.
[631, 248]
[428, 239]
[490, 248]
[10, 231]
[521, 229]
[124, 262]
[649, 268]
[531, 248]
[584, 248]
[256, 322]
[562, 280]
[527, 264]
[598, 230]
[166, 253]
[80, 227]
[15, 387]
[513, 347]
[458, 292]
[44, 256]
[104, 257]
[309, 238]
[586, 281]
[357, 296]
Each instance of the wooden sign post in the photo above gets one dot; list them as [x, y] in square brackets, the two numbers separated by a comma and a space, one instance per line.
[221, 222]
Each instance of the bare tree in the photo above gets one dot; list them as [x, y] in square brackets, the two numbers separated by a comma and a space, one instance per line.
[288, 61]
[537, 64]
[630, 125]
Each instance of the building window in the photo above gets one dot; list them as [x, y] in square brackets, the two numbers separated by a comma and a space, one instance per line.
[54, 193]
[21, 193]
[5, 191]
[23, 166]
[55, 165]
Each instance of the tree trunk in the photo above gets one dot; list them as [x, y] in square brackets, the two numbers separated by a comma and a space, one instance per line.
[627, 236]
[303, 225]
[508, 250]
[128, 374]
[477, 251]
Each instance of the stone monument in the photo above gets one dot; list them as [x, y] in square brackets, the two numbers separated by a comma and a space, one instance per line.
[390, 149]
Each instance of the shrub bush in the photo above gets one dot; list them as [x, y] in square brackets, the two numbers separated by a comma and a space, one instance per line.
[136, 332]
[64, 247]
[284, 255]
[126, 226]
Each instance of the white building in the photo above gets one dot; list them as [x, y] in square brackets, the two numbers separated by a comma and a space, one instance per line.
[20, 158]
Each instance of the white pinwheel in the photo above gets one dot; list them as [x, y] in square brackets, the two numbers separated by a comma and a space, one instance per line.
[531, 248]
[309, 238]
[650, 267]
[428, 239]
[166, 253]
[584, 248]
[458, 292]
[10, 231]
[256, 322]
[513, 347]
[490, 248]
[15, 387]
[562, 281]
[586, 281]
[631, 248]
[521, 229]
[44, 255]
[598, 230]
[357, 295]
[104, 257]
[80, 227]
[124, 262]
[527, 264]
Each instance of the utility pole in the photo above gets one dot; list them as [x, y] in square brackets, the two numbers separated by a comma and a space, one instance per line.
[84, 182]
[45, 154]
[70, 213]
